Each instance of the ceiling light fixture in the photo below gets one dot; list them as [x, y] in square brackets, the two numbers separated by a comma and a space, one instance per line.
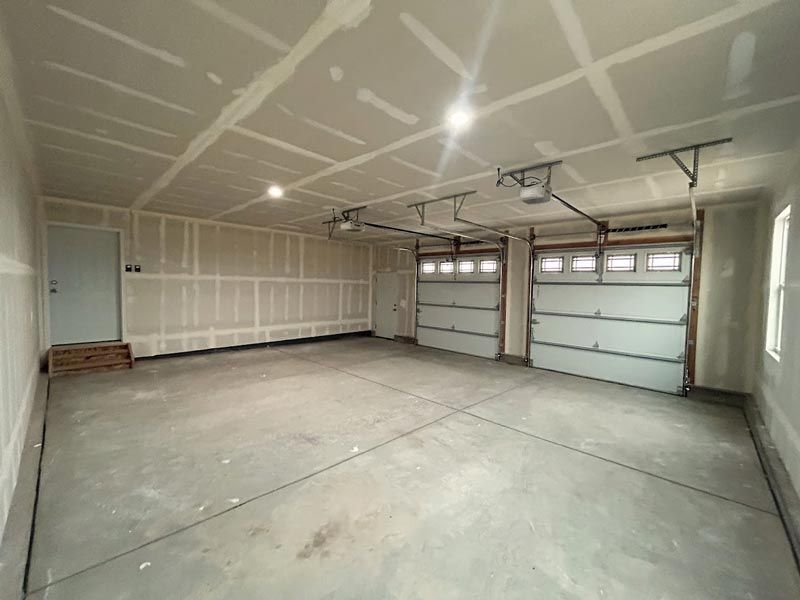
[275, 191]
[459, 118]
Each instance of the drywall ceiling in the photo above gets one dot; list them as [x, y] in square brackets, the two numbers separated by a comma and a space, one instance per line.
[195, 107]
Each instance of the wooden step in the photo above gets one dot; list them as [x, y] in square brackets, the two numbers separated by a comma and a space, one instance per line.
[86, 358]
[73, 349]
[77, 358]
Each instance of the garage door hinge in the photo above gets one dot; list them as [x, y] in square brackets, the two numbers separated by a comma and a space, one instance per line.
[596, 345]
[684, 318]
[686, 279]
[681, 356]
[597, 313]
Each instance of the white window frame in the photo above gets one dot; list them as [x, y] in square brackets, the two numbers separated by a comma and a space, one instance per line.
[466, 266]
[452, 267]
[610, 259]
[424, 266]
[486, 261]
[651, 269]
[560, 260]
[579, 257]
[777, 282]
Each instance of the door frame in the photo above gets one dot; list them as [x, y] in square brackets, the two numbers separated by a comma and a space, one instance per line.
[46, 279]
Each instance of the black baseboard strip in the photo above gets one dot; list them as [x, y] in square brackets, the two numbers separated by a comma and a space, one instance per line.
[304, 340]
[783, 491]
[18, 534]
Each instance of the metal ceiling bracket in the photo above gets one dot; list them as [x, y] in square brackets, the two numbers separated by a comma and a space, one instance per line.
[458, 201]
[518, 175]
[692, 173]
[421, 212]
[346, 213]
[425, 203]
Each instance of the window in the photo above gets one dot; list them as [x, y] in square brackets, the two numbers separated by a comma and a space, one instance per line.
[488, 266]
[777, 282]
[446, 267]
[466, 266]
[552, 264]
[664, 261]
[429, 267]
[584, 264]
[621, 262]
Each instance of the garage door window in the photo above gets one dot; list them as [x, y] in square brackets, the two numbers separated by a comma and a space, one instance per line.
[488, 266]
[466, 266]
[777, 283]
[429, 267]
[552, 264]
[664, 261]
[621, 263]
[446, 267]
[584, 264]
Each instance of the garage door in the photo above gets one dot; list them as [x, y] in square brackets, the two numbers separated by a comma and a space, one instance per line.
[624, 320]
[458, 304]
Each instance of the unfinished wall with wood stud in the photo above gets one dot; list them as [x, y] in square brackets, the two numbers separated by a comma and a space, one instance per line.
[211, 285]
[389, 259]
[19, 303]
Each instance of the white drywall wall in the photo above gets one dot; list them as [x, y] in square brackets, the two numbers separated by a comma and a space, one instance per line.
[211, 285]
[730, 296]
[19, 301]
[777, 386]
[517, 297]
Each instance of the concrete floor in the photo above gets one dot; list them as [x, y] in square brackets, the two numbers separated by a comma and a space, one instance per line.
[365, 469]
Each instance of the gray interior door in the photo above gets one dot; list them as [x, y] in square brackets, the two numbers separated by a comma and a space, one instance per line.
[386, 292]
[625, 322]
[458, 304]
[84, 284]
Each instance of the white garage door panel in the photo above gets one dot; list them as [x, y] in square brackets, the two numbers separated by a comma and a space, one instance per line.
[623, 336]
[640, 372]
[463, 319]
[476, 345]
[485, 295]
[661, 302]
[459, 311]
[622, 326]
